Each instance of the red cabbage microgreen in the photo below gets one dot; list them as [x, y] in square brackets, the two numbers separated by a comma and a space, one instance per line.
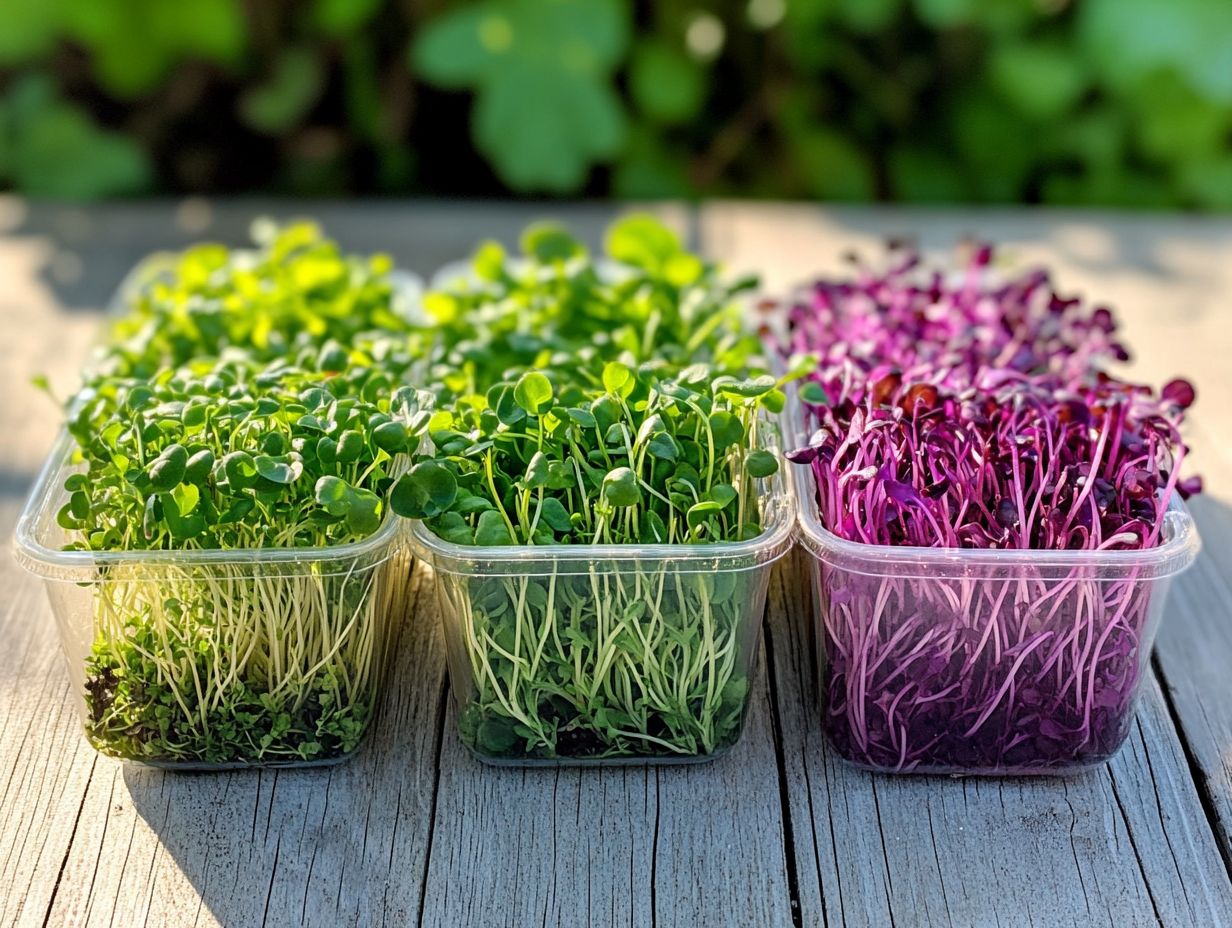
[967, 410]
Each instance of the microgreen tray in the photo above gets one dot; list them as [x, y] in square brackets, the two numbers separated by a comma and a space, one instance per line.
[990, 662]
[208, 657]
[605, 654]
[196, 646]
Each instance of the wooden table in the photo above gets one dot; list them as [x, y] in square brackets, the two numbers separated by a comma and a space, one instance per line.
[776, 833]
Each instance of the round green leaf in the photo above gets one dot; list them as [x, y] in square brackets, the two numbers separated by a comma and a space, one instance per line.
[537, 472]
[390, 437]
[278, 470]
[491, 530]
[427, 490]
[199, 466]
[555, 515]
[814, 393]
[617, 379]
[667, 85]
[533, 392]
[363, 515]
[350, 447]
[168, 468]
[620, 488]
[761, 464]
[334, 495]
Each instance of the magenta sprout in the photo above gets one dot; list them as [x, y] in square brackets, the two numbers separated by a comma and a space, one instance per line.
[966, 410]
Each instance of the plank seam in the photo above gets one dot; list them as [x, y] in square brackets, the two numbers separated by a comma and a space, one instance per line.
[780, 762]
[1133, 844]
[1201, 781]
[68, 848]
[654, 852]
[441, 707]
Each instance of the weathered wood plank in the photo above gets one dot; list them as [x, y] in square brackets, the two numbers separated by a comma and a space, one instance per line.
[44, 763]
[1194, 653]
[1127, 845]
[345, 845]
[676, 845]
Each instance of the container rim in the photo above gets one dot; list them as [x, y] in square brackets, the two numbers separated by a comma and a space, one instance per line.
[774, 541]
[57, 563]
[1175, 554]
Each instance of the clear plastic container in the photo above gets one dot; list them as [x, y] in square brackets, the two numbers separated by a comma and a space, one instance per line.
[212, 659]
[605, 654]
[944, 660]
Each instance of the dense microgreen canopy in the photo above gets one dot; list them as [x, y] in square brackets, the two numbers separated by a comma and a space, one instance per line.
[615, 401]
[962, 410]
[956, 408]
[652, 661]
[244, 400]
[293, 291]
[228, 455]
[251, 400]
[649, 299]
[625, 459]
[205, 664]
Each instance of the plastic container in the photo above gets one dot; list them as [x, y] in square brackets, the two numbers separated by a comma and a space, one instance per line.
[944, 660]
[605, 654]
[214, 659]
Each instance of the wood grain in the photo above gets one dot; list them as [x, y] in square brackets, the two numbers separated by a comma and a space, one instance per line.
[675, 845]
[779, 833]
[1194, 653]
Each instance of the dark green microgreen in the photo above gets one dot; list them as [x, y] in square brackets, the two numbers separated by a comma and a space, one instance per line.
[247, 469]
[761, 464]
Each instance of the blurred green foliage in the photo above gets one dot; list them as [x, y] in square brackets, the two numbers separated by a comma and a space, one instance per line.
[1115, 102]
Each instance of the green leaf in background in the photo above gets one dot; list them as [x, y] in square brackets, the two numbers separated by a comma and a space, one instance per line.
[1129, 39]
[868, 15]
[545, 109]
[28, 30]
[1041, 80]
[342, 17]
[945, 14]
[49, 148]
[134, 43]
[1116, 102]
[1001, 17]
[921, 175]
[667, 85]
[1174, 124]
[651, 170]
[1096, 138]
[997, 152]
[281, 102]
[831, 166]
[1209, 181]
